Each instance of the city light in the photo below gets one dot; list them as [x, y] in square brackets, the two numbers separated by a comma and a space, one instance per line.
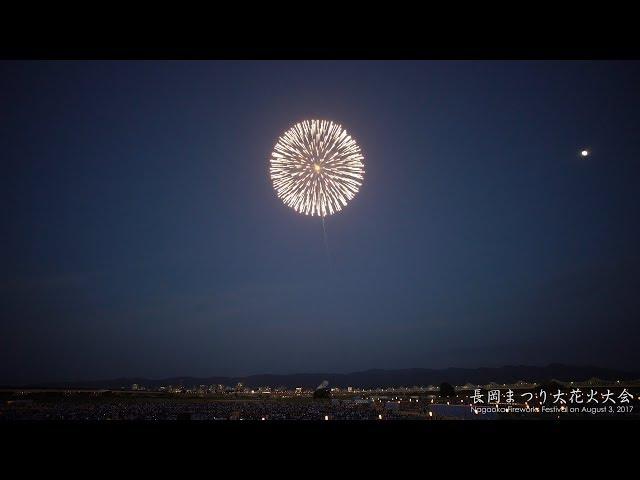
[240, 404]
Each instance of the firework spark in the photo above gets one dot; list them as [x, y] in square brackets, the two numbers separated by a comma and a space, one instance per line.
[316, 167]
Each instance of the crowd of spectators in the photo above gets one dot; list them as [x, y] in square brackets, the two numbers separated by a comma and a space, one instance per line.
[161, 410]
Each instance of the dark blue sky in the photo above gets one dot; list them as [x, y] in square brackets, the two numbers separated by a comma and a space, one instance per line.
[140, 234]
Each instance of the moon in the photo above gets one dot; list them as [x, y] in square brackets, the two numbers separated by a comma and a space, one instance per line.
[584, 153]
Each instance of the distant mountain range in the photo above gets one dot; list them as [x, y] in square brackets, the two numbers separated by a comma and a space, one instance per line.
[374, 378]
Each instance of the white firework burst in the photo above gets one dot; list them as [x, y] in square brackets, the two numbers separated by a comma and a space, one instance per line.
[316, 167]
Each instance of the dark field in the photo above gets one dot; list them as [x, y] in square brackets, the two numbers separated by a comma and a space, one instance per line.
[106, 406]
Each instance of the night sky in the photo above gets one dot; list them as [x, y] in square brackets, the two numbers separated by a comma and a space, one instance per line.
[141, 235]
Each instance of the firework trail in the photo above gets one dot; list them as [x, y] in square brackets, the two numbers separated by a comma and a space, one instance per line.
[326, 243]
